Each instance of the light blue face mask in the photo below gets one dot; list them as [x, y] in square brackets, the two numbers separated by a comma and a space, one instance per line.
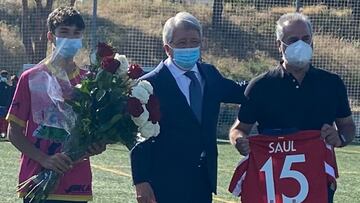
[3, 79]
[186, 58]
[67, 47]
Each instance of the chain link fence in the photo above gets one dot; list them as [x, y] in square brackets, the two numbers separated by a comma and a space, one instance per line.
[239, 35]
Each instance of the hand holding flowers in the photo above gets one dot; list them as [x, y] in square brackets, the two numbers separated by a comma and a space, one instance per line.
[111, 106]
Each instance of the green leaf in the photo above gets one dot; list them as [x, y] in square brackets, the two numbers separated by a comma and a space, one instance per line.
[104, 79]
[100, 94]
[75, 106]
[85, 86]
[109, 124]
[102, 98]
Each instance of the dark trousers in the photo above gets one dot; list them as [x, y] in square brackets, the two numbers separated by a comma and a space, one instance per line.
[331, 193]
[197, 190]
[53, 201]
[201, 192]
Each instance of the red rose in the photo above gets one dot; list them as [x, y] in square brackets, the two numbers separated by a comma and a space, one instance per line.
[153, 106]
[135, 71]
[134, 107]
[110, 64]
[104, 50]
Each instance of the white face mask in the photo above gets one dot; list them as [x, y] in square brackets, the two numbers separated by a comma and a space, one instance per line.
[298, 54]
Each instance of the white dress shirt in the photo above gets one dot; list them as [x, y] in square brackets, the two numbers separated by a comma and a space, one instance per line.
[182, 80]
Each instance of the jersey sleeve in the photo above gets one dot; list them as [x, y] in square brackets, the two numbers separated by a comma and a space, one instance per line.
[239, 175]
[343, 107]
[19, 111]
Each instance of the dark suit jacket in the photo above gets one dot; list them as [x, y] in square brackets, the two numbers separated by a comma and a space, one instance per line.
[169, 160]
[6, 94]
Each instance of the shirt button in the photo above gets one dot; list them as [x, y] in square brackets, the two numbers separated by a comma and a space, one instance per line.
[297, 86]
[294, 80]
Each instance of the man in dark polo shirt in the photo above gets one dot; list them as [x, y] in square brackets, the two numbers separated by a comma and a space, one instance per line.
[295, 95]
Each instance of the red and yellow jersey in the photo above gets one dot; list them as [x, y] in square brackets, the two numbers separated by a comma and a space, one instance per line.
[74, 185]
[289, 169]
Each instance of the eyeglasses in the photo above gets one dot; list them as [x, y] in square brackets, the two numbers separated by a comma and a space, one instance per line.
[307, 39]
[186, 43]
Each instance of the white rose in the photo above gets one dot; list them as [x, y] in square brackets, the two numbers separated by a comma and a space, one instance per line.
[147, 86]
[149, 130]
[139, 138]
[140, 93]
[157, 129]
[124, 64]
[142, 119]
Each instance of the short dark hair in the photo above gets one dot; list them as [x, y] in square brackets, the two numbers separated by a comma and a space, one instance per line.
[65, 16]
[4, 73]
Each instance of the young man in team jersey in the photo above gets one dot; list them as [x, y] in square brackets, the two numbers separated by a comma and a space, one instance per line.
[66, 27]
[295, 96]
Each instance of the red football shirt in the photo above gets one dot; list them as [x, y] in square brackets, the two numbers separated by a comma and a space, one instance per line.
[288, 169]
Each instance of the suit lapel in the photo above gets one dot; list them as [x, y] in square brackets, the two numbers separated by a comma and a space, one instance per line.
[177, 99]
[173, 94]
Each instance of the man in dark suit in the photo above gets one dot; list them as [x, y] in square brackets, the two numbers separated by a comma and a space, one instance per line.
[180, 164]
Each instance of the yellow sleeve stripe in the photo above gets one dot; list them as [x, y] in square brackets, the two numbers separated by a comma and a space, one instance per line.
[82, 198]
[11, 117]
[77, 198]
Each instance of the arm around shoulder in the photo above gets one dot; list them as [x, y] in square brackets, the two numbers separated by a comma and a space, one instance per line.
[232, 91]
[229, 91]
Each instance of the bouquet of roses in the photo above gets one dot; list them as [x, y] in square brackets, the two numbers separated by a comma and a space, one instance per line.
[110, 105]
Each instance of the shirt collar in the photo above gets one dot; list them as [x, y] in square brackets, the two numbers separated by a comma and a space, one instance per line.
[177, 72]
[285, 73]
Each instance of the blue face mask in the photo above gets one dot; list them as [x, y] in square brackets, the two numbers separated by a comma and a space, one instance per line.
[186, 58]
[67, 47]
[3, 79]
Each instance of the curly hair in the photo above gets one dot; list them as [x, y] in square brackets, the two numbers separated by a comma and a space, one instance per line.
[65, 16]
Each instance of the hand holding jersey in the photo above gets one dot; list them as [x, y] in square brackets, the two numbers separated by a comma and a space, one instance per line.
[295, 96]
[292, 168]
